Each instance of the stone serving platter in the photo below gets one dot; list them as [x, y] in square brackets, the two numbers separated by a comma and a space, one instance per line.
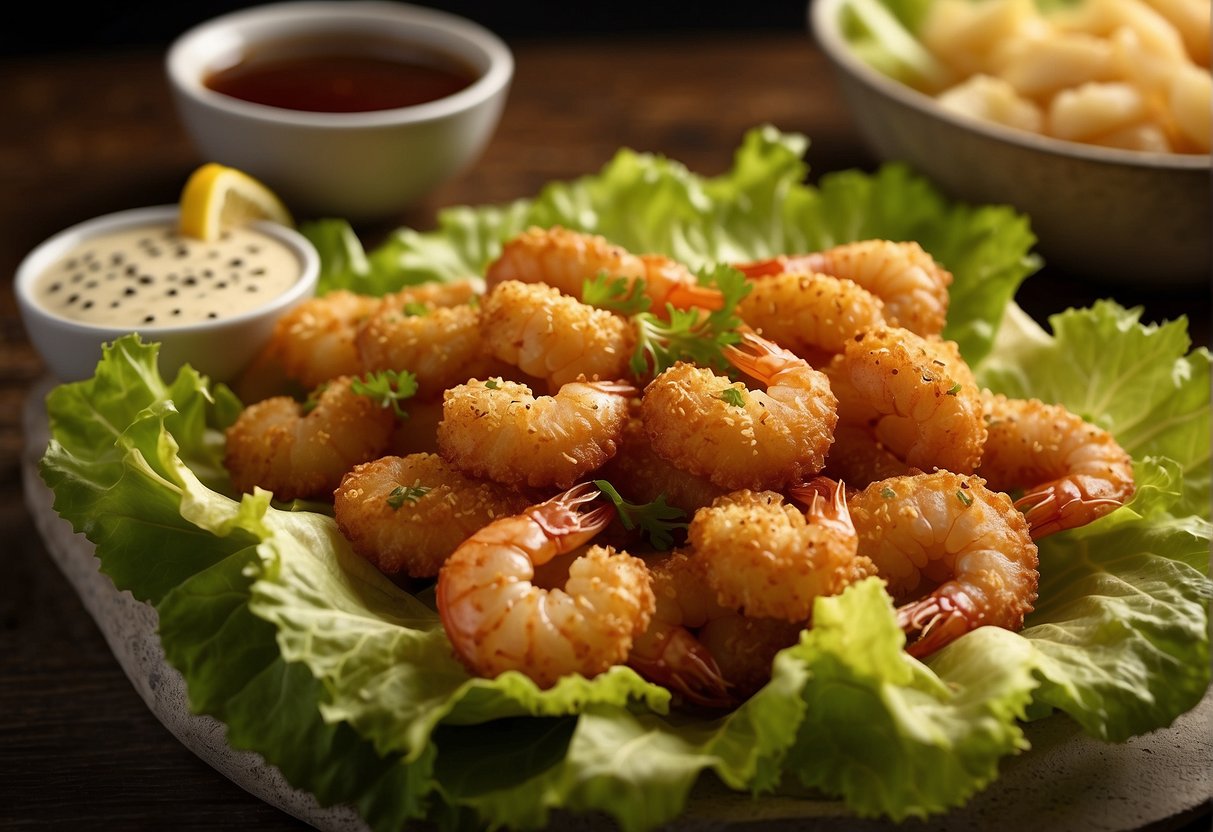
[1067, 781]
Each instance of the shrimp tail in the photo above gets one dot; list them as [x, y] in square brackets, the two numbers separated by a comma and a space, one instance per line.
[673, 658]
[692, 295]
[825, 502]
[564, 523]
[766, 268]
[1060, 505]
[936, 621]
[759, 358]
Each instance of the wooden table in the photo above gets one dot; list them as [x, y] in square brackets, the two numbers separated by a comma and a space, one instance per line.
[84, 135]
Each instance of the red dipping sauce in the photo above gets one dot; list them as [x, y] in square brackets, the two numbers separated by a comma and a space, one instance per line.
[342, 77]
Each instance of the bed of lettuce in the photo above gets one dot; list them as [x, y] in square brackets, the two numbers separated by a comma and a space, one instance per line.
[346, 683]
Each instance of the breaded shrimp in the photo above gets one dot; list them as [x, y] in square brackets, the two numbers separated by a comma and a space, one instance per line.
[813, 315]
[1070, 471]
[740, 438]
[430, 330]
[701, 650]
[667, 652]
[859, 459]
[553, 336]
[769, 559]
[648, 476]
[498, 429]
[916, 394]
[565, 259]
[407, 514]
[950, 536]
[498, 620]
[912, 284]
[282, 446]
[315, 341]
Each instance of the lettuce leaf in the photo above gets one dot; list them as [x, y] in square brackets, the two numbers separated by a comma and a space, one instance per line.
[346, 683]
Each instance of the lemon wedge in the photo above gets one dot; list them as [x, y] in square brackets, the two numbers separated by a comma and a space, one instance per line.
[217, 196]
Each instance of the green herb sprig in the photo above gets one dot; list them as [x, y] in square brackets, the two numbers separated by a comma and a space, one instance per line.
[656, 520]
[689, 334]
[402, 494]
[387, 388]
[616, 294]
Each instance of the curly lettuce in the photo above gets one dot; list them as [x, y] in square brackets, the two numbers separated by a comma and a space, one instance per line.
[346, 683]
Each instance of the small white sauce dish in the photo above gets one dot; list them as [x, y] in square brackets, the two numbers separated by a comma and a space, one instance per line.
[361, 166]
[219, 348]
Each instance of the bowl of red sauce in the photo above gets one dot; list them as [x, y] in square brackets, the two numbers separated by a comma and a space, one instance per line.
[346, 108]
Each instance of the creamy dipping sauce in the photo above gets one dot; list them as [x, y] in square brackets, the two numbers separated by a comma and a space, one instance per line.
[152, 276]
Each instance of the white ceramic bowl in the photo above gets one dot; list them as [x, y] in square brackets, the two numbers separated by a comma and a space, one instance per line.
[361, 166]
[218, 348]
[1108, 215]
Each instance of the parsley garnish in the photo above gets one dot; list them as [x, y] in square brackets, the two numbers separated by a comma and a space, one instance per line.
[734, 396]
[313, 398]
[413, 309]
[888, 493]
[492, 384]
[657, 519]
[964, 498]
[400, 494]
[954, 389]
[387, 388]
[689, 334]
[617, 294]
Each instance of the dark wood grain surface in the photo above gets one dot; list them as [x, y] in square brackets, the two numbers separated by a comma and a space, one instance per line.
[85, 134]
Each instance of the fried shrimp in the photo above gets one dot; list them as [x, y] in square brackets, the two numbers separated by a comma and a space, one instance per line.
[703, 651]
[667, 652]
[859, 459]
[282, 446]
[408, 514]
[316, 341]
[432, 330]
[916, 394]
[912, 284]
[740, 438]
[1070, 471]
[769, 559]
[813, 315]
[498, 620]
[649, 477]
[499, 430]
[565, 259]
[555, 337]
[950, 535]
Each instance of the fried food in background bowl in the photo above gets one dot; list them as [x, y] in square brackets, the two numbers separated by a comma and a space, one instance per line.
[1088, 119]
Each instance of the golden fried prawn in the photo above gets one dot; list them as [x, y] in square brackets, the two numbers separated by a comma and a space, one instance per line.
[648, 476]
[812, 315]
[315, 341]
[955, 555]
[498, 429]
[565, 259]
[407, 514]
[1070, 471]
[430, 330]
[553, 336]
[281, 445]
[737, 437]
[667, 652]
[916, 394]
[912, 284]
[498, 620]
[768, 559]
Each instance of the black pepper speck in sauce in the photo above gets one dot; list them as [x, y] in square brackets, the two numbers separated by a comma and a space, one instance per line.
[153, 290]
